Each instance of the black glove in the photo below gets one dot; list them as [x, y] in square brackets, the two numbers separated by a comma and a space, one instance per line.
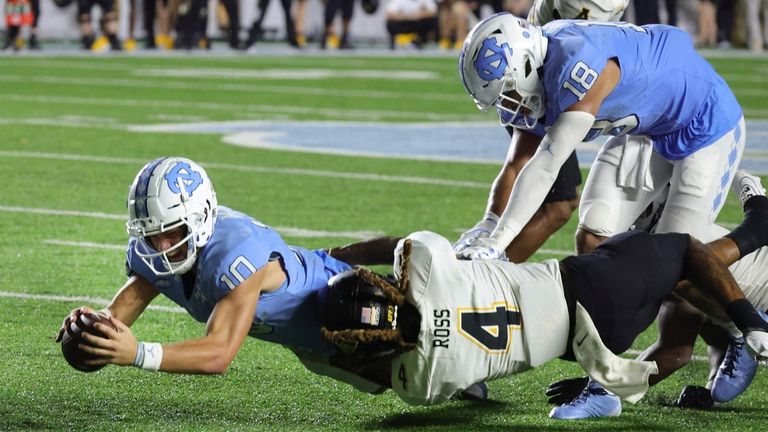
[695, 397]
[564, 391]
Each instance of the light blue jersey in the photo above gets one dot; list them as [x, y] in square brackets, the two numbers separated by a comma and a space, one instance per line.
[239, 246]
[667, 90]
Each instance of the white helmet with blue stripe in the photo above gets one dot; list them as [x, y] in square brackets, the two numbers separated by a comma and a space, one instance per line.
[166, 194]
[499, 65]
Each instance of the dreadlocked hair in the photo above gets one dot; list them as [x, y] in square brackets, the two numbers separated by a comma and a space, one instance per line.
[348, 340]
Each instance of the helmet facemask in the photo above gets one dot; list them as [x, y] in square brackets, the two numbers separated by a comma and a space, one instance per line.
[522, 112]
[159, 261]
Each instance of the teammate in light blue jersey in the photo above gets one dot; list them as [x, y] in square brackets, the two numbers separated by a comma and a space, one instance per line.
[563, 197]
[224, 268]
[671, 119]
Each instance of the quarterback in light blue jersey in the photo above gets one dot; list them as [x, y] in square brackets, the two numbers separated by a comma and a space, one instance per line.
[223, 267]
[238, 248]
[670, 118]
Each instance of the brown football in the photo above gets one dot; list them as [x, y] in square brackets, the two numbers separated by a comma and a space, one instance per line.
[72, 353]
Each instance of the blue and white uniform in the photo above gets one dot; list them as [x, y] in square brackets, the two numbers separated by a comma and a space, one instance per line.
[239, 246]
[672, 118]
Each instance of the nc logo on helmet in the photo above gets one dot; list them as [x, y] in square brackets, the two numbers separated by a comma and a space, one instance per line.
[182, 172]
[491, 61]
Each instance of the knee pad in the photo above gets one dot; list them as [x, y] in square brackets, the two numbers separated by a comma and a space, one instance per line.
[598, 217]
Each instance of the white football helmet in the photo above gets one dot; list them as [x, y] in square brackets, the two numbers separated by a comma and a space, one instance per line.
[169, 193]
[593, 10]
[498, 65]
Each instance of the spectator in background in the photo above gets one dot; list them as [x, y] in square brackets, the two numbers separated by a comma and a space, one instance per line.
[756, 33]
[130, 43]
[460, 15]
[160, 13]
[446, 23]
[34, 44]
[707, 23]
[517, 7]
[724, 16]
[647, 12]
[228, 17]
[18, 14]
[191, 25]
[298, 18]
[257, 31]
[332, 7]
[108, 23]
[411, 16]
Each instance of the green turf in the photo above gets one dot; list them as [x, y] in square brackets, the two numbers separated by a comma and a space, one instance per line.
[48, 109]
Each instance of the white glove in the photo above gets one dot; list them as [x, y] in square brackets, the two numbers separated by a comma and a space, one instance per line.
[482, 249]
[482, 229]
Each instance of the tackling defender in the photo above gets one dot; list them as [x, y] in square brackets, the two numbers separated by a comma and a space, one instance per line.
[427, 339]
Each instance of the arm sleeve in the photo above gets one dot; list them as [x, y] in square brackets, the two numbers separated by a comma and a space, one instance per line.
[536, 178]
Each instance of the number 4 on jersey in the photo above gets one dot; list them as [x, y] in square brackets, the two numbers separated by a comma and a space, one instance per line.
[490, 328]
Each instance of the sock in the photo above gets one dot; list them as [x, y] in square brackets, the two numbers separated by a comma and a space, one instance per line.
[752, 233]
[745, 316]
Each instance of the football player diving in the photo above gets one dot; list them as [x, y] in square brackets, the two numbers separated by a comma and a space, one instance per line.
[224, 268]
[444, 324]
[562, 198]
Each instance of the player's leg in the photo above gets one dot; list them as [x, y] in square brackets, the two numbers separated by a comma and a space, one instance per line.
[622, 300]
[678, 324]
[621, 313]
[699, 184]
[618, 190]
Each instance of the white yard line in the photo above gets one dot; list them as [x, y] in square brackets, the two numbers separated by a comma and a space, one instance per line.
[234, 108]
[94, 301]
[286, 231]
[233, 87]
[256, 169]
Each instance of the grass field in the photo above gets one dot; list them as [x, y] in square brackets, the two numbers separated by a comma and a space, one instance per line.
[70, 147]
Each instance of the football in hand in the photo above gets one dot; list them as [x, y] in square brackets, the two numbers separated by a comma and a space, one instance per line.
[73, 336]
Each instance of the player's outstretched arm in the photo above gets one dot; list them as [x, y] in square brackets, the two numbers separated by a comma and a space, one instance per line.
[376, 251]
[225, 332]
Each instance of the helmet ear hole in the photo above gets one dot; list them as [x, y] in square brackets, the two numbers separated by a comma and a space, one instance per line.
[528, 68]
[556, 14]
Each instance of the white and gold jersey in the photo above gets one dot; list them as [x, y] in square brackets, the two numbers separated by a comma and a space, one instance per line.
[480, 320]
[541, 12]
